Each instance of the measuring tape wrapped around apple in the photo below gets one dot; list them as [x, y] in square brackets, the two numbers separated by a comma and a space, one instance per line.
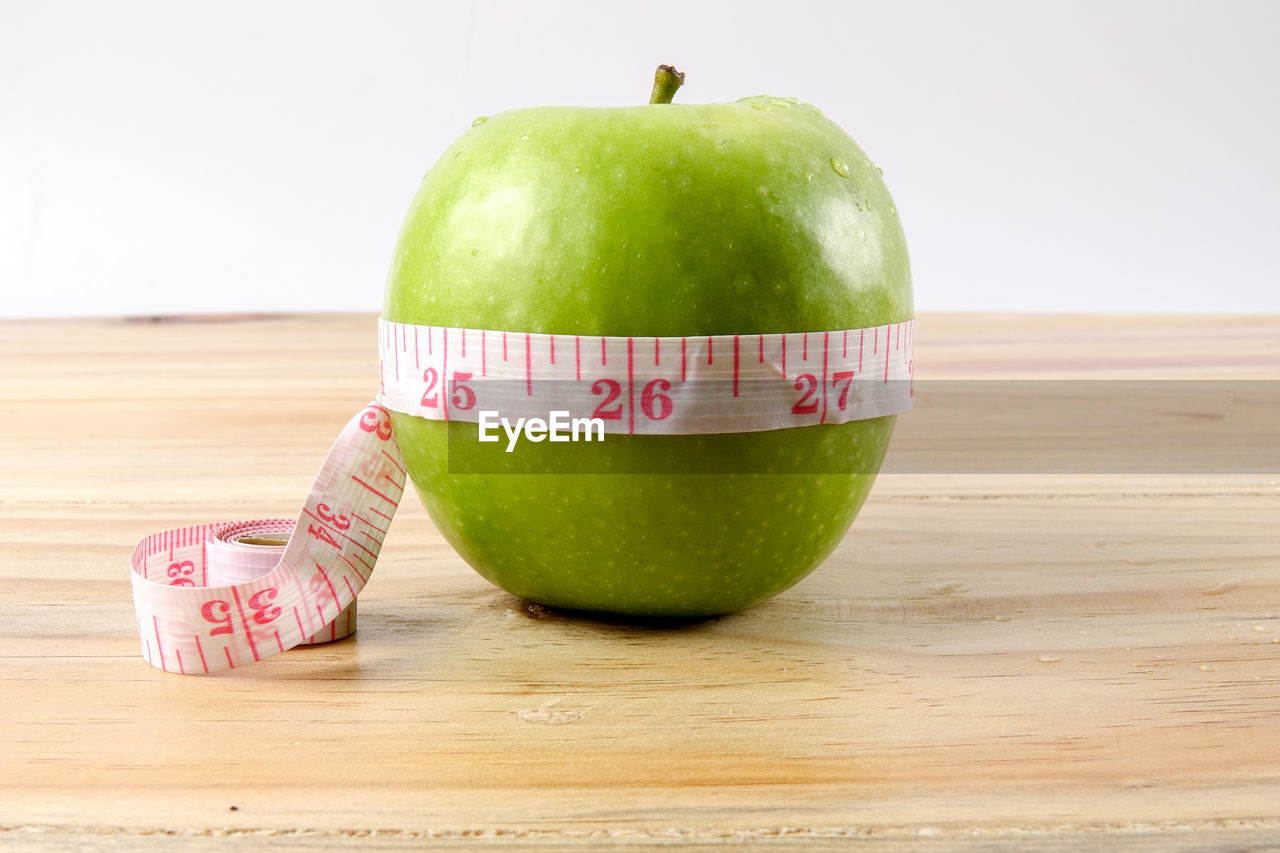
[700, 463]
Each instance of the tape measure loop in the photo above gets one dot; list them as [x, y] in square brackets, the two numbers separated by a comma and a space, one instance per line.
[217, 596]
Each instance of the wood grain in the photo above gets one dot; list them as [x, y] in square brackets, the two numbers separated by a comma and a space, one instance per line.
[987, 662]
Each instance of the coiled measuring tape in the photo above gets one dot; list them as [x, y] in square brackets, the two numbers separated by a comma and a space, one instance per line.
[217, 596]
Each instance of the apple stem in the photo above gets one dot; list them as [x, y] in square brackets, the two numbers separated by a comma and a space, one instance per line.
[665, 82]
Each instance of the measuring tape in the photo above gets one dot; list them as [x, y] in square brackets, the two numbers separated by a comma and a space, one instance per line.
[650, 386]
[217, 596]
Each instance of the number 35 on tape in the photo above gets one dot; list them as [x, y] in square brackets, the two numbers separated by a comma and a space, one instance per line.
[218, 596]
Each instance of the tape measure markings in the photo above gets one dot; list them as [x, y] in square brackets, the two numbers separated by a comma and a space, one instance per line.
[826, 383]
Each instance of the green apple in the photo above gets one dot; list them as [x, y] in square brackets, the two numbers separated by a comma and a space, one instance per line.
[754, 217]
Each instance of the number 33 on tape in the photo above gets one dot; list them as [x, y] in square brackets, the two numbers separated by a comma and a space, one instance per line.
[218, 596]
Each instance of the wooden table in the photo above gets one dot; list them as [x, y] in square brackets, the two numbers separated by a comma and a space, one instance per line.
[988, 662]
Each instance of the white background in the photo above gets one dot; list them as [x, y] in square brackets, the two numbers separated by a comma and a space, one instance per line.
[160, 157]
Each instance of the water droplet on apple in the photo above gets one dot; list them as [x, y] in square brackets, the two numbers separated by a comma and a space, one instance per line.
[760, 106]
[479, 120]
[808, 177]
[475, 252]
[524, 137]
[841, 167]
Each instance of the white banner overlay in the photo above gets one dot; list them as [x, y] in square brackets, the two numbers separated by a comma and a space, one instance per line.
[646, 385]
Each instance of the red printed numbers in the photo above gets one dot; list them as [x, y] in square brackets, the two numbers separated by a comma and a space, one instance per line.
[808, 405]
[376, 421]
[649, 399]
[264, 612]
[611, 389]
[181, 573]
[218, 613]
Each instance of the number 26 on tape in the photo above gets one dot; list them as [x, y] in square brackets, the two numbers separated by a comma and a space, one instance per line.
[462, 398]
[654, 405]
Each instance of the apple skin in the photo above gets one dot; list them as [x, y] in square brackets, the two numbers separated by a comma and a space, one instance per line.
[754, 217]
